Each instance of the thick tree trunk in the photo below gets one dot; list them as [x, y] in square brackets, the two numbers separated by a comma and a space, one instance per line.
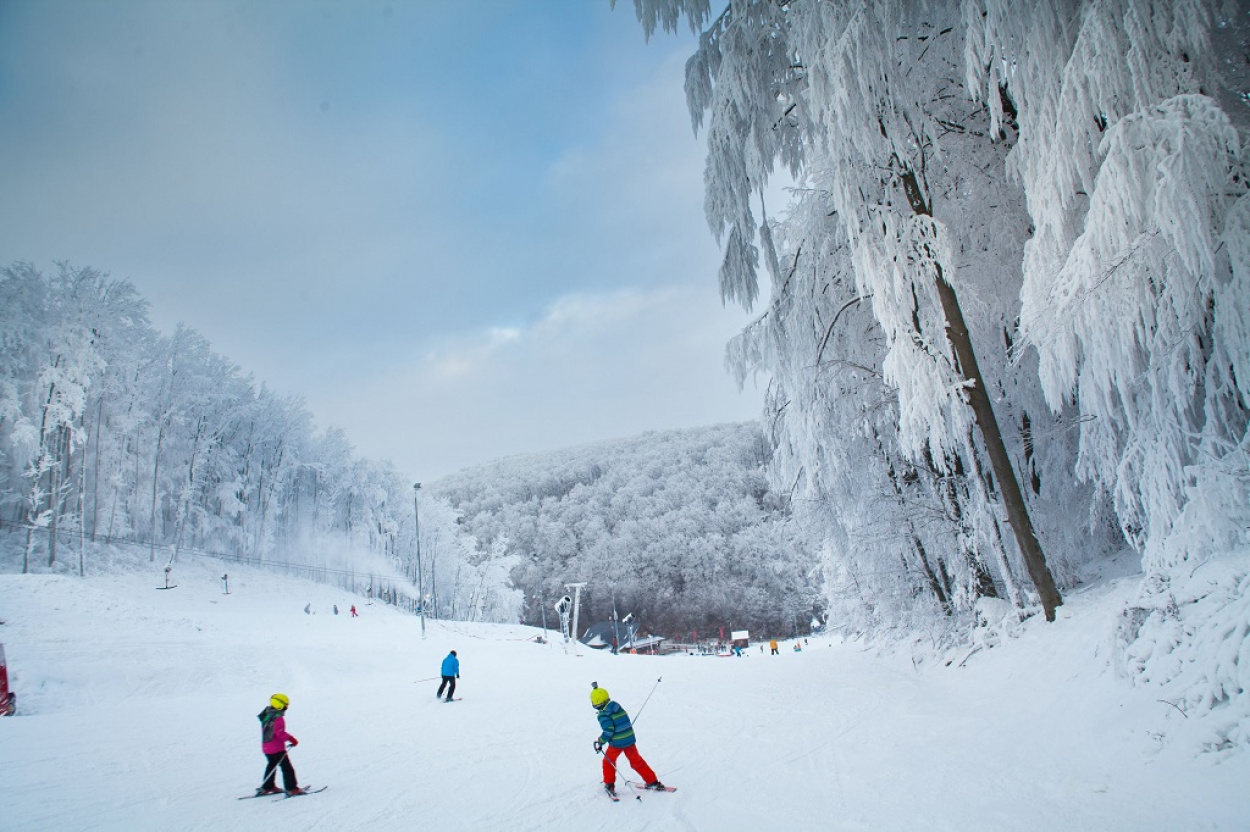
[1000, 462]
[983, 412]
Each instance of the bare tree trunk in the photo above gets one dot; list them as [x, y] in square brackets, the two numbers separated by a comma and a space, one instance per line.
[82, 519]
[95, 489]
[935, 585]
[184, 507]
[156, 470]
[983, 412]
[55, 510]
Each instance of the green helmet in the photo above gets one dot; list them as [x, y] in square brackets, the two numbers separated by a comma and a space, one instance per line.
[599, 697]
[279, 701]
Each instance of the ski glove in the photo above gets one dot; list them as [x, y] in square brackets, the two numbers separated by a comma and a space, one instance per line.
[598, 745]
[294, 742]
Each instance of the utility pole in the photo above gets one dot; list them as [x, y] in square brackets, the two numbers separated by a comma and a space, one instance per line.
[577, 601]
[616, 627]
[416, 533]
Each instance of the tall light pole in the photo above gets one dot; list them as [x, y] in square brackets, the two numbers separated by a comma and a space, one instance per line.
[416, 526]
[577, 605]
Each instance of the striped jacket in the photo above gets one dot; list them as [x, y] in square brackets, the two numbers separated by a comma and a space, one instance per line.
[617, 730]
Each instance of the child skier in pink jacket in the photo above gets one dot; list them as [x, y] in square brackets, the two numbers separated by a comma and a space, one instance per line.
[273, 742]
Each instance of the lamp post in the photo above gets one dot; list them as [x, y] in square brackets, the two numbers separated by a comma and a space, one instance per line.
[416, 521]
[577, 604]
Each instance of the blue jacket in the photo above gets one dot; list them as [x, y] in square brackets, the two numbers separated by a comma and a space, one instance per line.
[617, 730]
[451, 666]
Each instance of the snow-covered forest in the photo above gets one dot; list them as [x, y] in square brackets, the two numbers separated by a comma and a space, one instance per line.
[112, 433]
[1007, 307]
[679, 529]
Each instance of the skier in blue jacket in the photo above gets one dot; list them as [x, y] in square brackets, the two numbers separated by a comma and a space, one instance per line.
[451, 672]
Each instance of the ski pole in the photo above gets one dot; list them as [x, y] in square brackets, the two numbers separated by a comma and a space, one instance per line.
[599, 750]
[285, 751]
[431, 679]
[648, 699]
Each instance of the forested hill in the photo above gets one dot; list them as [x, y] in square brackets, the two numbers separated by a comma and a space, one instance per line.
[679, 528]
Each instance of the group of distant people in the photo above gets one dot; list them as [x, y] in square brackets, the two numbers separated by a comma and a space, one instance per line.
[308, 610]
[775, 651]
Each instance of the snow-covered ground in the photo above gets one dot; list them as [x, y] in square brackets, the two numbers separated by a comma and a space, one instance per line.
[137, 711]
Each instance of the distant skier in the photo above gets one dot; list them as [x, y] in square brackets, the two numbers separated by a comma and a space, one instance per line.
[618, 737]
[308, 609]
[354, 614]
[336, 609]
[451, 672]
[772, 645]
[274, 742]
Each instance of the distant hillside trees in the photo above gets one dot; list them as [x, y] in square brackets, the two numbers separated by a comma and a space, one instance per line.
[112, 431]
[680, 528]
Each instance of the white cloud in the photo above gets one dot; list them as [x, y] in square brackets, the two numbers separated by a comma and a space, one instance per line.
[593, 367]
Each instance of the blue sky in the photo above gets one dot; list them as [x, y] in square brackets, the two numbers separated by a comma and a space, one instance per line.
[459, 230]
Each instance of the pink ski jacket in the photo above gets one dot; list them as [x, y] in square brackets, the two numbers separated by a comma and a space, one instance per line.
[274, 736]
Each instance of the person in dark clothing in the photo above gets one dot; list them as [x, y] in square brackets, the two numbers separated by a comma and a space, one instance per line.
[451, 672]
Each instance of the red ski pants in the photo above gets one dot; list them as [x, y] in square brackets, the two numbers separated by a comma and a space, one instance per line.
[635, 762]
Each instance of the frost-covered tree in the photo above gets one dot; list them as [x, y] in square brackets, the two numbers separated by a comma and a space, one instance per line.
[1133, 118]
[1043, 204]
[54, 352]
[1073, 171]
[864, 101]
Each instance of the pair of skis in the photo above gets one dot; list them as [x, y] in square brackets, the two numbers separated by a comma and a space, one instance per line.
[616, 798]
[301, 793]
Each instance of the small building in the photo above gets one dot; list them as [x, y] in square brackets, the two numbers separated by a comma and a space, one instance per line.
[622, 637]
[601, 635]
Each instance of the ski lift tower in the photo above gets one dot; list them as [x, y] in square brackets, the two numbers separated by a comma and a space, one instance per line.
[577, 601]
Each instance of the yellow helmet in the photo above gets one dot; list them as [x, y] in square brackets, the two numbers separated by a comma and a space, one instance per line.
[599, 697]
[279, 701]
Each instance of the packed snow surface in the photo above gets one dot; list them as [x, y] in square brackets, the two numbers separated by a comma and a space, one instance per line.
[137, 711]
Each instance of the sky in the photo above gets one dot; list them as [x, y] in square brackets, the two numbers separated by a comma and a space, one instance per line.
[460, 231]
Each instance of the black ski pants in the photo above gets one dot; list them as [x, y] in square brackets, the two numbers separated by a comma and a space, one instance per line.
[272, 761]
[451, 691]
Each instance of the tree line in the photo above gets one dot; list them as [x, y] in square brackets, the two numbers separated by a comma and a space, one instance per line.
[113, 431]
[681, 529]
